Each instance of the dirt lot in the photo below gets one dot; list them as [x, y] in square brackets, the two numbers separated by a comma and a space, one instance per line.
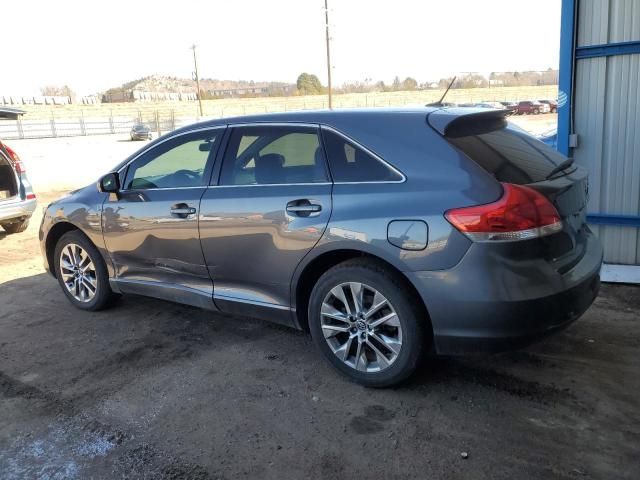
[150, 389]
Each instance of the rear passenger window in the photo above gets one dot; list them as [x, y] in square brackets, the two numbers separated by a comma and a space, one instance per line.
[273, 155]
[350, 163]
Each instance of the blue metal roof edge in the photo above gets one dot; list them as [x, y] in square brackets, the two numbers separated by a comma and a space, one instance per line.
[565, 81]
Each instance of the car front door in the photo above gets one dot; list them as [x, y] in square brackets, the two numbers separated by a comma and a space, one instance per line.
[151, 225]
[270, 206]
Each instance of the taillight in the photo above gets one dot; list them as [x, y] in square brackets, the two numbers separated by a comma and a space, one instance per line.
[521, 214]
[31, 196]
[15, 159]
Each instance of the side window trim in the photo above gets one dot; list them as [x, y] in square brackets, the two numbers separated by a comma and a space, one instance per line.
[123, 172]
[328, 128]
[222, 152]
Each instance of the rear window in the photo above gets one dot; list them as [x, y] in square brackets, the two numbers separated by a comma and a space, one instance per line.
[506, 152]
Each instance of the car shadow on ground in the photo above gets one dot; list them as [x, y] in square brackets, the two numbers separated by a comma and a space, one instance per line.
[202, 330]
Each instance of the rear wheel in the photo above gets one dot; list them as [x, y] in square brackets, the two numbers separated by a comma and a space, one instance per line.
[364, 322]
[16, 227]
[81, 272]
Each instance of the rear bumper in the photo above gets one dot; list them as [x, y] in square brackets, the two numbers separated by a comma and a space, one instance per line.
[491, 303]
[536, 319]
[12, 210]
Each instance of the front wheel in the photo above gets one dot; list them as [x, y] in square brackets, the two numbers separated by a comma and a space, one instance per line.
[366, 324]
[81, 272]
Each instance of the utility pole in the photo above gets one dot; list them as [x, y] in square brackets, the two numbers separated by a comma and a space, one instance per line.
[326, 17]
[195, 66]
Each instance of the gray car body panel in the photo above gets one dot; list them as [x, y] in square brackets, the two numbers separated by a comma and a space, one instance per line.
[242, 253]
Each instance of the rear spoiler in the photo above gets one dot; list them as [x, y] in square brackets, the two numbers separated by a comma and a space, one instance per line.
[10, 113]
[446, 120]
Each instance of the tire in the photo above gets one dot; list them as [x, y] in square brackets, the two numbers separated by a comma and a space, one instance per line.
[536, 112]
[410, 328]
[97, 277]
[16, 227]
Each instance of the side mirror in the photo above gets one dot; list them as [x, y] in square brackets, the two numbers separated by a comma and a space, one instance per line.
[110, 183]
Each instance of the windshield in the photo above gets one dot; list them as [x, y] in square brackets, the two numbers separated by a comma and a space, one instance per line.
[507, 152]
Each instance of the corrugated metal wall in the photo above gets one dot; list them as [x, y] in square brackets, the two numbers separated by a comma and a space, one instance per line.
[607, 121]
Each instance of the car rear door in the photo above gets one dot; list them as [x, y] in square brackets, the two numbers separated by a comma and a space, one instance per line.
[150, 226]
[269, 206]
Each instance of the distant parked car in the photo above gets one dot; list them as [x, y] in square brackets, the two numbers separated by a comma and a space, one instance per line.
[495, 105]
[509, 106]
[441, 104]
[553, 105]
[533, 107]
[140, 131]
[17, 200]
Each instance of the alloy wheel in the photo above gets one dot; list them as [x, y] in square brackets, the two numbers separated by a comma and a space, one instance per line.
[78, 273]
[361, 327]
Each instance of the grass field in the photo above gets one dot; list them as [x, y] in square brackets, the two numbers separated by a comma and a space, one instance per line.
[242, 106]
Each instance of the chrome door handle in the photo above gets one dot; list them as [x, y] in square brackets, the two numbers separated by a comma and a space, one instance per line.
[303, 208]
[182, 210]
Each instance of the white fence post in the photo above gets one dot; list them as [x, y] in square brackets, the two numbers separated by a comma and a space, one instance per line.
[20, 129]
[53, 126]
[158, 123]
[83, 129]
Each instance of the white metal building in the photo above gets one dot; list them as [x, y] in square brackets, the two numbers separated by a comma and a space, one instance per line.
[599, 120]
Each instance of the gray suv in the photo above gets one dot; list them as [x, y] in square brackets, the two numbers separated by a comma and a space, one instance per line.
[386, 233]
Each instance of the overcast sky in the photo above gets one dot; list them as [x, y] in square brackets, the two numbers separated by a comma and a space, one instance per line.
[94, 45]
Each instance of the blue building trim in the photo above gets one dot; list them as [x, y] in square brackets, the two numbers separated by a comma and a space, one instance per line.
[614, 220]
[608, 49]
[565, 81]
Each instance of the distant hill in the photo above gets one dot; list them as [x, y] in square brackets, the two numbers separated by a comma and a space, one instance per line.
[158, 87]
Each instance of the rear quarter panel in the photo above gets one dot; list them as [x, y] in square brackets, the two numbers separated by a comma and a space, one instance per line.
[438, 178]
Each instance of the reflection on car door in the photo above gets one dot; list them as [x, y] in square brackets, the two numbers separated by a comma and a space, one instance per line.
[151, 226]
[270, 207]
